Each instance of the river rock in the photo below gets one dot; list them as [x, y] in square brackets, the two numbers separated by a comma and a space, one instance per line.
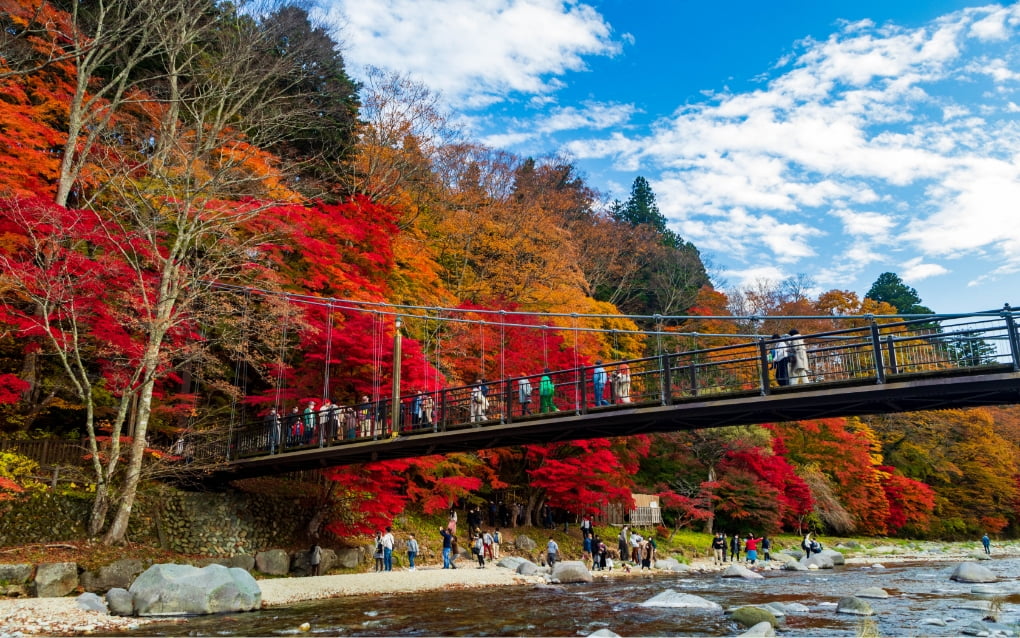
[571, 571]
[988, 590]
[834, 556]
[347, 557]
[739, 571]
[672, 598]
[783, 558]
[274, 562]
[527, 568]
[855, 606]
[778, 609]
[53, 580]
[171, 590]
[91, 602]
[524, 543]
[671, 565]
[938, 622]
[796, 608]
[604, 633]
[246, 561]
[511, 562]
[120, 602]
[819, 561]
[14, 580]
[976, 628]
[795, 566]
[974, 605]
[751, 616]
[973, 573]
[872, 592]
[117, 574]
[763, 629]
[979, 556]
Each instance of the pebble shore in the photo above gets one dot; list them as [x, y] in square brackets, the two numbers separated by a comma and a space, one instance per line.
[62, 616]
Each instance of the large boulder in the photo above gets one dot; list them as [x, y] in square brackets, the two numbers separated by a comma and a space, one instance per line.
[761, 630]
[671, 565]
[274, 562]
[118, 574]
[120, 602]
[348, 557]
[571, 571]
[673, 598]
[171, 590]
[526, 568]
[819, 561]
[244, 561]
[795, 566]
[92, 602]
[783, 558]
[524, 544]
[511, 562]
[751, 616]
[14, 580]
[53, 580]
[855, 606]
[739, 571]
[973, 573]
[834, 556]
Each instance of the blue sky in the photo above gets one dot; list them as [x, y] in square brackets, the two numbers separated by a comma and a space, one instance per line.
[835, 139]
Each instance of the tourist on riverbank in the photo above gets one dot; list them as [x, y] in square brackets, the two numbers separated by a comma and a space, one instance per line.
[766, 548]
[623, 542]
[378, 554]
[751, 547]
[447, 546]
[735, 548]
[497, 538]
[412, 551]
[806, 545]
[719, 548]
[552, 552]
[487, 542]
[315, 558]
[387, 544]
[454, 551]
[987, 543]
[478, 549]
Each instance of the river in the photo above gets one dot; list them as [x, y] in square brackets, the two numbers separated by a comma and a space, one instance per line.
[919, 592]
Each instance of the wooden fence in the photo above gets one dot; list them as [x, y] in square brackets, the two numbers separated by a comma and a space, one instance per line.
[48, 452]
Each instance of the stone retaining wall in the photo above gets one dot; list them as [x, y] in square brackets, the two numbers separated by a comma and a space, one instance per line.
[211, 524]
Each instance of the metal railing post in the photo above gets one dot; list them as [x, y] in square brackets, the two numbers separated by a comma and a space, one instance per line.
[1014, 338]
[445, 413]
[692, 370]
[582, 381]
[876, 349]
[665, 375]
[508, 401]
[763, 358]
[891, 348]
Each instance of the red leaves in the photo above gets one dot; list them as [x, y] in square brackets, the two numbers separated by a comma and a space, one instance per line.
[11, 388]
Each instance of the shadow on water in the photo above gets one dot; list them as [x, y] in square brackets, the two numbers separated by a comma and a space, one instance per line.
[918, 594]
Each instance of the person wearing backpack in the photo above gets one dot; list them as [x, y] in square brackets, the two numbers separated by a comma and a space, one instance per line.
[546, 390]
[497, 538]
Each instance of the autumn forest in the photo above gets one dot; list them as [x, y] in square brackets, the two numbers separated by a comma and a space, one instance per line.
[203, 217]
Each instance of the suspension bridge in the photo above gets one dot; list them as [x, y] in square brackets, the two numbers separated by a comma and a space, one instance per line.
[934, 362]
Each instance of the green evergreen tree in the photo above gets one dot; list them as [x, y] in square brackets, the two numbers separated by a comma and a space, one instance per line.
[891, 289]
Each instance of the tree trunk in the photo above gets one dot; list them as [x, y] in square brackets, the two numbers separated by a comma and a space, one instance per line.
[710, 521]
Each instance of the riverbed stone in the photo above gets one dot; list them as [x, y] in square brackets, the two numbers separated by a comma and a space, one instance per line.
[979, 556]
[750, 616]
[524, 543]
[604, 633]
[778, 609]
[976, 628]
[53, 580]
[783, 558]
[872, 592]
[171, 590]
[988, 590]
[274, 562]
[527, 568]
[120, 573]
[817, 561]
[937, 622]
[120, 602]
[974, 605]
[739, 571]
[973, 573]
[571, 571]
[15, 574]
[511, 562]
[91, 602]
[243, 561]
[834, 556]
[855, 606]
[762, 629]
[795, 566]
[796, 608]
[673, 598]
[346, 557]
[671, 565]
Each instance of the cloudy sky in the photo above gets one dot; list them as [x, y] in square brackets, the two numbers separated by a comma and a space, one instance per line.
[832, 138]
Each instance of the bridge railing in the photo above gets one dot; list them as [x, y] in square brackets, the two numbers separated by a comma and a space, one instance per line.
[872, 352]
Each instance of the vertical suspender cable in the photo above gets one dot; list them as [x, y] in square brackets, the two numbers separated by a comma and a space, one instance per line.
[329, 352]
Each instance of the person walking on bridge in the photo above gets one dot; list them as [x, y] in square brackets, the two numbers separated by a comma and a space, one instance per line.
[524, 395]
[546, 390]
[598, 382]
[797, 356]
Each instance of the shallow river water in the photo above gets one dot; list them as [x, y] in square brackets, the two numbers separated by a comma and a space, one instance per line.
[919, 592]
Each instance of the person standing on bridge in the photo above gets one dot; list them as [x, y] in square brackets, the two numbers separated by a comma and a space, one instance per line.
[546, 390]
[428, 406]
[778, 361]
[294, 427]
[272, 422]
[623, 378]
[797, 356]
[309, 422]
[524, 395]
[477, 402]
[598, 382]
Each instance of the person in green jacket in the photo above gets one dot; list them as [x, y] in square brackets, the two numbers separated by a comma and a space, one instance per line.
[546, 389]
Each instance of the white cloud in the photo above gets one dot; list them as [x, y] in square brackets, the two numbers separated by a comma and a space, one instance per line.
[914, 270]
[591, 115]
[870, 224]
[474, 52]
